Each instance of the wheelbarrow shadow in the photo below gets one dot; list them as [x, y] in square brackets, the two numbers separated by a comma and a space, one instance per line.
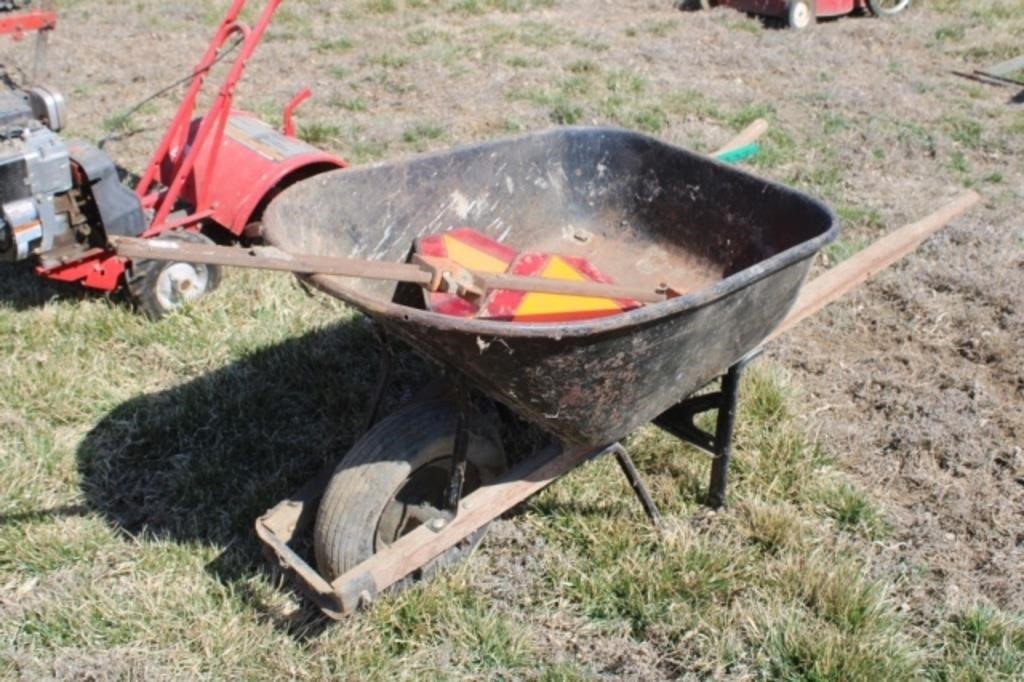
[199, 462]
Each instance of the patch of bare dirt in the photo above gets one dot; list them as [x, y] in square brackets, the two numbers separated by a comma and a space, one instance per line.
[921, 378]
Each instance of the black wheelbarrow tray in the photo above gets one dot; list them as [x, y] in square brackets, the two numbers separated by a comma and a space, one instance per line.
[589, 382]
[641, 210]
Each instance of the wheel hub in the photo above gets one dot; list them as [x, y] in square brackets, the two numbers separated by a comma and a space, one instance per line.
[419, 501]
[179, 283]
[801, 15]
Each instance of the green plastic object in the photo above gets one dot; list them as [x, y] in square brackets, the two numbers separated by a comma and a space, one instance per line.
[739, 154]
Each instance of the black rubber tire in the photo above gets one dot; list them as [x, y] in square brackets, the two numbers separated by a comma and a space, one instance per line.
[143, 277]
[882, 9]
[378, 466]
[801, 14]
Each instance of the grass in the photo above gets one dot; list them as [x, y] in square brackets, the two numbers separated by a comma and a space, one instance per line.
[338, 44]
[958, 161]
[380, 6]
[351, 104]
[983, 643]
[421, 135]
[482, 7]
[853, 510]
[950, 33]
[390, 60]
[966, 132]
[618, 97]
[319, 133]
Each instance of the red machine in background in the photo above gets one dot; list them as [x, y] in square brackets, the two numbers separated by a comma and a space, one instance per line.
[208, 180]
[17, 21]
[18, 24]
[803, 13]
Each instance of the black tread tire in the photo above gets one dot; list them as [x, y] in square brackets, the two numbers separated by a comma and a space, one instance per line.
[376, 468]
[791, 14]
[879, 11]
[141, 278]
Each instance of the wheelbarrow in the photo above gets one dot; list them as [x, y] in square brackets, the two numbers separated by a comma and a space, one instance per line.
[415, 491]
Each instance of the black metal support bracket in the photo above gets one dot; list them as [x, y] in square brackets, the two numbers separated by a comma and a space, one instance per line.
[679, 420]
[723, 436]
[637, 484]
[466, 413]
[457, 474]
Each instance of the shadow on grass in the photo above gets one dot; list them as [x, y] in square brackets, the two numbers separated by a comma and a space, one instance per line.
[199, 462]
[22, 289]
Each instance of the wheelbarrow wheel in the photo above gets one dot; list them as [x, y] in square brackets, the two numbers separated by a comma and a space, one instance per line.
[887, 8]
[160, 287]
[393, 480]
[801, 14]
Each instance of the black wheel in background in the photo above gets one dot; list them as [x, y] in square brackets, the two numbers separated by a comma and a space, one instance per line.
[887, 8]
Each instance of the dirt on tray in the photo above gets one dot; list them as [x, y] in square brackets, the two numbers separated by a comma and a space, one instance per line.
[915, 382]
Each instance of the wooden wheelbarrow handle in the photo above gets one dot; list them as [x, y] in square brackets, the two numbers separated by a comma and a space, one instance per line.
[752, 133]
